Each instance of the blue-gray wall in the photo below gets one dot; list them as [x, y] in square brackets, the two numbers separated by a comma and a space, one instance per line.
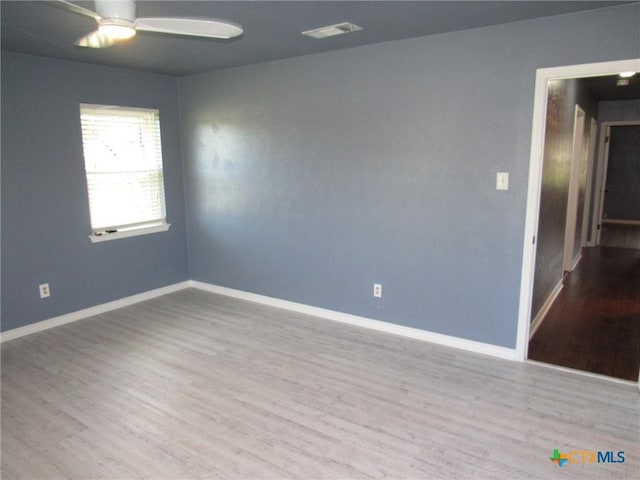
[619, 111]
[306, 179]
[45, 214]
[309, 179]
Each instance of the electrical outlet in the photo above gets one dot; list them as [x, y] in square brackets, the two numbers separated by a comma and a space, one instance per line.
[44, 290]
[377, 290]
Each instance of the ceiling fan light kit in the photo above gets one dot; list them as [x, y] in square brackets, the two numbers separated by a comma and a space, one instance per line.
[116, 29]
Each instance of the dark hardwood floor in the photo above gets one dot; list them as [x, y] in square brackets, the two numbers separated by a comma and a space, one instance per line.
[594, 324]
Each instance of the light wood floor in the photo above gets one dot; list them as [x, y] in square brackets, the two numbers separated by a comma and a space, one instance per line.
[194, 385]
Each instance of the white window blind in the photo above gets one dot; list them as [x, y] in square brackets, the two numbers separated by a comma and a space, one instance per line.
[123, 163]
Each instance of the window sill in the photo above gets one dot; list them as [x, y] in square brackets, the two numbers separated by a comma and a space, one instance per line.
[133, 232]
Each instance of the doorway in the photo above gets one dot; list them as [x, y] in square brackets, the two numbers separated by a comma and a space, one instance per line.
[617, 213]
[545, 78]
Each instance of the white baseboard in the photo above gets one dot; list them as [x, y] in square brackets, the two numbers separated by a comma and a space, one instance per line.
[621, 222]
[576, 261]
[546, 306]
[424, 335]
[415, 333]
[90, 312]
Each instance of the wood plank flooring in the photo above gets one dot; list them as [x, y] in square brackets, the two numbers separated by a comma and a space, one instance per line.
[194, 385]
[594, 324]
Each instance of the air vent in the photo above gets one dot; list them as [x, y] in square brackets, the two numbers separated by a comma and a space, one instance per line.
[332, 30]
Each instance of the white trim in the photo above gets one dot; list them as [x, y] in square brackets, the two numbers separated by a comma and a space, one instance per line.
[424, 335]
[543, 75]
[90, 312]
[621, 222]
[603, 160]
[132, 232]
[591, 160]
[531, 214]
[546, 306]
[587, 70]
[576, 261]
[445, 340]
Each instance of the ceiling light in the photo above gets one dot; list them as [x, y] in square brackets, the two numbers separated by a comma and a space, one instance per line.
[116, 29]
[627, 74]
[332, 30]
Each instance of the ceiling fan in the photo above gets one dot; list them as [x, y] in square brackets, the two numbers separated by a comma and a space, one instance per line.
[116, 21]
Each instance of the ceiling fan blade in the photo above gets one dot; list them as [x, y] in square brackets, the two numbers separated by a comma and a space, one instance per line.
[195, 27]
[72, 7]
[95, 39]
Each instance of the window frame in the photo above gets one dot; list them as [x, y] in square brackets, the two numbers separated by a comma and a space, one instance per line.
[132, 229]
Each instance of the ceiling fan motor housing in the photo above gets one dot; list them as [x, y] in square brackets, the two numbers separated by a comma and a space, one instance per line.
[117, 10]
[118, 18]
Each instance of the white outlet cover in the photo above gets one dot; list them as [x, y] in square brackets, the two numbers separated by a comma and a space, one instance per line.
[502, 181]
[44, 290]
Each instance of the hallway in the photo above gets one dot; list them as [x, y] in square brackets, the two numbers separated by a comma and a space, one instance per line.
[594, 324]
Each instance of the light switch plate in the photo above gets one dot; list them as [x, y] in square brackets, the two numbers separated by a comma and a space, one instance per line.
[502, 181]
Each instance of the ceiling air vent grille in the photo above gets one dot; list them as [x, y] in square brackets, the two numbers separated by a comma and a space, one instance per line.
[331, 30]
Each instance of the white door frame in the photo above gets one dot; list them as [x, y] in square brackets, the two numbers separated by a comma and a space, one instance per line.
[587, 239]
[568, 258]
[601, 175]
[543, 76]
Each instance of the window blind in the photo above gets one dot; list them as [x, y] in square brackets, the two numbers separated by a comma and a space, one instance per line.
[123, 163]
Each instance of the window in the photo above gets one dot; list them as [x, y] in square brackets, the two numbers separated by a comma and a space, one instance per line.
[123, 163]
